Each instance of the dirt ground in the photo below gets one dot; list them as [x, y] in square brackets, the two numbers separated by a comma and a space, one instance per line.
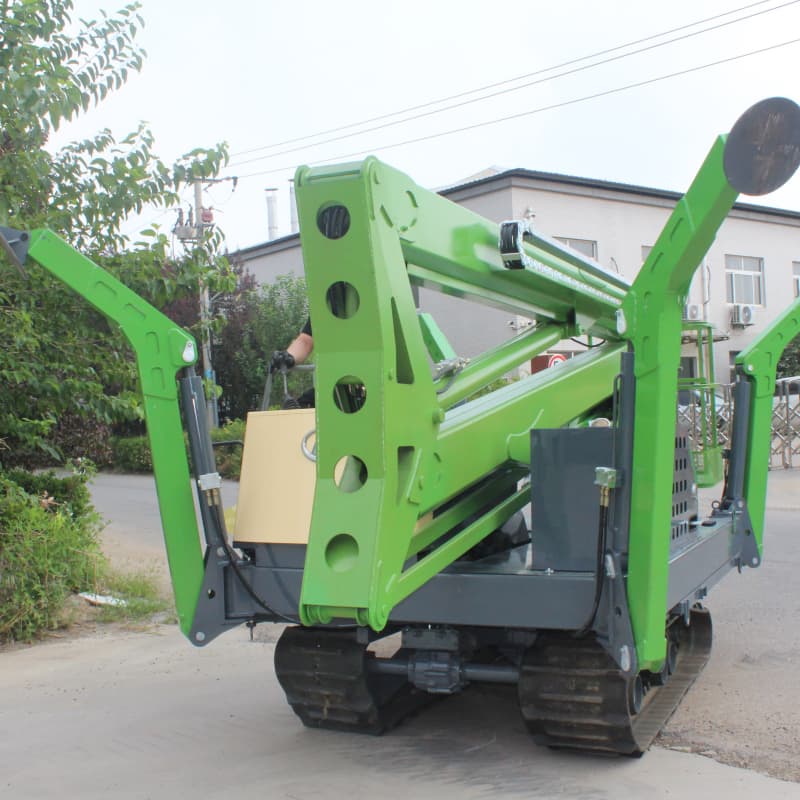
[742, 711]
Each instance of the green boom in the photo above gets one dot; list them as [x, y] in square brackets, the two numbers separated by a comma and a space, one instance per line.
[162, 348]
[368, 233]
[652, 322]
[758, 363]
[412, 469]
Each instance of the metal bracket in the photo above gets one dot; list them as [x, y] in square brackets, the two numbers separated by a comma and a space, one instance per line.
[432, 639]
[512, 236]
[15, 245]
[743, 526]
[606, 477]
[209, 481]
[451, 366]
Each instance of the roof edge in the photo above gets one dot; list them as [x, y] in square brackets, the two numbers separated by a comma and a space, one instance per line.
[624, 188]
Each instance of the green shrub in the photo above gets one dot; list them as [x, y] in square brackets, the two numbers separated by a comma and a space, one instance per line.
[229, 457]
[48, 549]
[132, 453]
[68, 494]
[79, 436]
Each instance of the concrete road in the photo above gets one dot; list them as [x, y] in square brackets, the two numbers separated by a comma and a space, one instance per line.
[146, 715]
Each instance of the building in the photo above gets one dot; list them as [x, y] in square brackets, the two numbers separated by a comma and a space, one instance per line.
[750, 274]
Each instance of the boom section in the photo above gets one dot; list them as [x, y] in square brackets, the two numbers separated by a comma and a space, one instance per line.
[757, 365]
[389, 451]
[761, 153]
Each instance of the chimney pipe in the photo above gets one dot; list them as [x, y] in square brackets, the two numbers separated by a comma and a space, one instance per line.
[272, 214]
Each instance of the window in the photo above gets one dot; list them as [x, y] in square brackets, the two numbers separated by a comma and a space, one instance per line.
[744, 278]
[646, 250]
[585, 246]
[796, 277]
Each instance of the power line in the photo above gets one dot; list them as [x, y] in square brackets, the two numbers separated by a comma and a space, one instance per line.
[505, 82]
[539, 110]
[513, 89]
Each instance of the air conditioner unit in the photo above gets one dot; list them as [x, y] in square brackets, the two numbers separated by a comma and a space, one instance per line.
[692, 312]
[742, 315]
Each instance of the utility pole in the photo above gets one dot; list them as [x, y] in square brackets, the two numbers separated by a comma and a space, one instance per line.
[191, 231]
[209, 376]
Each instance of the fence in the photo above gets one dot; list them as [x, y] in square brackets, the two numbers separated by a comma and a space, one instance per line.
[785, 444]
[785, 451]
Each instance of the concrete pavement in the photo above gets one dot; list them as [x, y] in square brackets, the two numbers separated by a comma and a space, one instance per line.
[148, 716]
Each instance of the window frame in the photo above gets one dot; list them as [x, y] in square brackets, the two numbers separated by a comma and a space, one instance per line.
[567, 240]
[757, 276]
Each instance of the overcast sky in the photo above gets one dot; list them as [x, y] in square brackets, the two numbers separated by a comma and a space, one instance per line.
[256, 74]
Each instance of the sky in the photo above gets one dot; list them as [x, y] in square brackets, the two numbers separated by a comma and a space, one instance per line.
[258, 73]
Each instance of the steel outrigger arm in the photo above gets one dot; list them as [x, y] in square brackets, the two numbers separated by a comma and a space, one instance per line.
[162, 348]
[760, 154]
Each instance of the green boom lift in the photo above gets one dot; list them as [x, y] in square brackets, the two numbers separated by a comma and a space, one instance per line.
[590, 603]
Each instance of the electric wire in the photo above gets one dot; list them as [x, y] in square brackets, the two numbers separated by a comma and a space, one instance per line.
[586, 344]
[573, 71]
[539, 110]
[497, 84]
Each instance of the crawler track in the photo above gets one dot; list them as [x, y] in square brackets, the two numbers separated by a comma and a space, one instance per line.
[325, 677]
[573, 695]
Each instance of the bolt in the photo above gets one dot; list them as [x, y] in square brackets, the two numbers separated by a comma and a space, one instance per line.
[200, 636]
[221, 552]
[625, 658]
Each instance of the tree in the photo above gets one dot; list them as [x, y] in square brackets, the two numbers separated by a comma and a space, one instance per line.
[59, 357]
[258, 321]
[789, 364]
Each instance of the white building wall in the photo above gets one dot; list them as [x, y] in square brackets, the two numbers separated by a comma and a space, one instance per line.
[266, 267]
[775, 240]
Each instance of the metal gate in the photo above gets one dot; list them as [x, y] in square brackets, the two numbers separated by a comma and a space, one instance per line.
[785, 445]
[785, 450]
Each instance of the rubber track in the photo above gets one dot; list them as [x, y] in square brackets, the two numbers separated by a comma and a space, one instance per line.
[324, 675]
[573, 695]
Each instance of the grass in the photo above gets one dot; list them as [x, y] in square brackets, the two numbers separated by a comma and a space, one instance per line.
[141, 595]
[50, 552]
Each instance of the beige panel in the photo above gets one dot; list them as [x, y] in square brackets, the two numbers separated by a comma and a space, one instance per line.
[276, 489]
